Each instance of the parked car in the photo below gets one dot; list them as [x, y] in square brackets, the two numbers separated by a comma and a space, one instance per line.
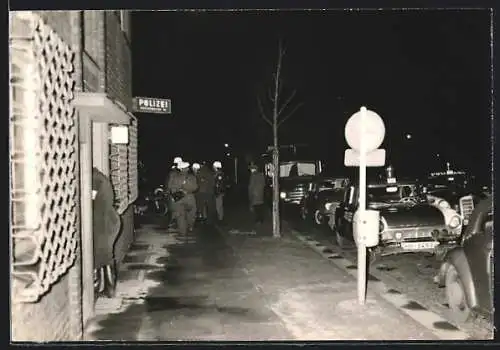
[450, 186]
[452, 216]
[322, 198]
[408, 223]
[454, 190]
[467, 270]
[295, 177]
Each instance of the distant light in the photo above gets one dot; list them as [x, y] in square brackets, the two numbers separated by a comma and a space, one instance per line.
[226, 145]
[408, 136]
[437, 155]
[228, 154]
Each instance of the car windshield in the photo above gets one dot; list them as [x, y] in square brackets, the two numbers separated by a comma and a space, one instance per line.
[297, 169]
[391, 193]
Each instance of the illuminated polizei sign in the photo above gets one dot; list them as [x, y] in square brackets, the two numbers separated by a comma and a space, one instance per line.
[152, 105]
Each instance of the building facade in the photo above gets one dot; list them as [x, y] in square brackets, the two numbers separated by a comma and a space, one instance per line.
[70, 82]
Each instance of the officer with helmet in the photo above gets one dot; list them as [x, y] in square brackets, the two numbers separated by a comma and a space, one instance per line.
[219, 190]
[196, 169]
[206, 186]
[173, 170]
[181, 186]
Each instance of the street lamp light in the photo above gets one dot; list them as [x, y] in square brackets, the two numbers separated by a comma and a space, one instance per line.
[408, 136]
[226, 145]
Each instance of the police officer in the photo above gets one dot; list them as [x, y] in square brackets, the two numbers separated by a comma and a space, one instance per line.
[196, 169]
[173, 170]
[219, 190]
[182, 185]
[206, 183]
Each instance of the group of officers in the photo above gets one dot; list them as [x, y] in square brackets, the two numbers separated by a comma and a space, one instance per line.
[196, 190]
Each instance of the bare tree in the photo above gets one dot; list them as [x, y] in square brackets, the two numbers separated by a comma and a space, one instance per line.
[275, 116]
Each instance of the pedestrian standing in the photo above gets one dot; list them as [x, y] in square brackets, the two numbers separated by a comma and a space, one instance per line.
[196, 169]
[106, 227]
[181, 186]
[219, 190]
[173, 170]
[206, 186]
[256, 188]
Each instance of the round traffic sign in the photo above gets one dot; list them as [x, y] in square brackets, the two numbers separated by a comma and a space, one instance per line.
[364, 131]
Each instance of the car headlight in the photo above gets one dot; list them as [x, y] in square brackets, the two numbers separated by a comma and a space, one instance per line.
[328, 206]
[455, 222]
[443, 204]
[282, 195]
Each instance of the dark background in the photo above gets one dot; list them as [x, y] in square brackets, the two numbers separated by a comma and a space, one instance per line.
[425, 72]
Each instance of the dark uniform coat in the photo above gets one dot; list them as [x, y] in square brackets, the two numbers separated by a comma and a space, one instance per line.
[106, 221]
[184, 210]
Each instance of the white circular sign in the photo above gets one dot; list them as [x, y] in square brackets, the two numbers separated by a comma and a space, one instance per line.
[364, 131]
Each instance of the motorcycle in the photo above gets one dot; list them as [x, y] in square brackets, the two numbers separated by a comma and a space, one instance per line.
[159, 201]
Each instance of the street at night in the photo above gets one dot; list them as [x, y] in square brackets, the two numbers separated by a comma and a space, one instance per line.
[251, 175]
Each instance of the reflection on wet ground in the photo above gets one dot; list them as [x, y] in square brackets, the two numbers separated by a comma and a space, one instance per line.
[201, 294]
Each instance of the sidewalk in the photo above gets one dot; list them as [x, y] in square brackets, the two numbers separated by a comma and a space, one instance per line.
[189, 291]
[315, 299]
[220, 286]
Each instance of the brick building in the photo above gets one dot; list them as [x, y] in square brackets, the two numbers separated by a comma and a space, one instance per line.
[70, 83]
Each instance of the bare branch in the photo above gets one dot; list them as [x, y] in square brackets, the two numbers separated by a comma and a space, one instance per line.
[290, 114]
[292, 95]
[270, 94]
[280, 87]
[262, 113]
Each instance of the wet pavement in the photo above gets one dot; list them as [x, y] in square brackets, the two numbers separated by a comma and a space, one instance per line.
[200, 292]
[228, 284]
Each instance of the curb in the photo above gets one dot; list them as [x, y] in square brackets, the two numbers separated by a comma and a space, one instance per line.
[438, 325]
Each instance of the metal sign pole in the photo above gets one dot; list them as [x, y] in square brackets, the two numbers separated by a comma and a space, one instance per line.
[362, 207]
[364, 133]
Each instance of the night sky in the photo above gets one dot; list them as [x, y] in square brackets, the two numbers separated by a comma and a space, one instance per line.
[426, 73]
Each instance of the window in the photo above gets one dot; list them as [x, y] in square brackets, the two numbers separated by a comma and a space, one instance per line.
[297, 169]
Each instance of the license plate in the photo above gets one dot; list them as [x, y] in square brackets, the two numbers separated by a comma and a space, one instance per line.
[419, 245]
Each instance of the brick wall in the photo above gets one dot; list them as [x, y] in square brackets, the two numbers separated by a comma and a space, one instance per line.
[118, 86]
[118, 61]
[57, 316]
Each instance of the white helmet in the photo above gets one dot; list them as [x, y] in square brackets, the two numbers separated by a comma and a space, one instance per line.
[196, 166]
[177, 160]
[183, 165]
[217, 164]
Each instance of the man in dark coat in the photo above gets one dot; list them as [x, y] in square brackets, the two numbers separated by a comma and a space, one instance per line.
[220, 188]
[106, 226]
[182, 186]
[206, 186]
[256, 188]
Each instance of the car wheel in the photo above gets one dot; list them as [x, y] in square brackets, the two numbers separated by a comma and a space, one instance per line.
[456, 296]
[318, 218]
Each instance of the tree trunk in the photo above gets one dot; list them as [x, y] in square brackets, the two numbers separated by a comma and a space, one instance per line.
[276, 185]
